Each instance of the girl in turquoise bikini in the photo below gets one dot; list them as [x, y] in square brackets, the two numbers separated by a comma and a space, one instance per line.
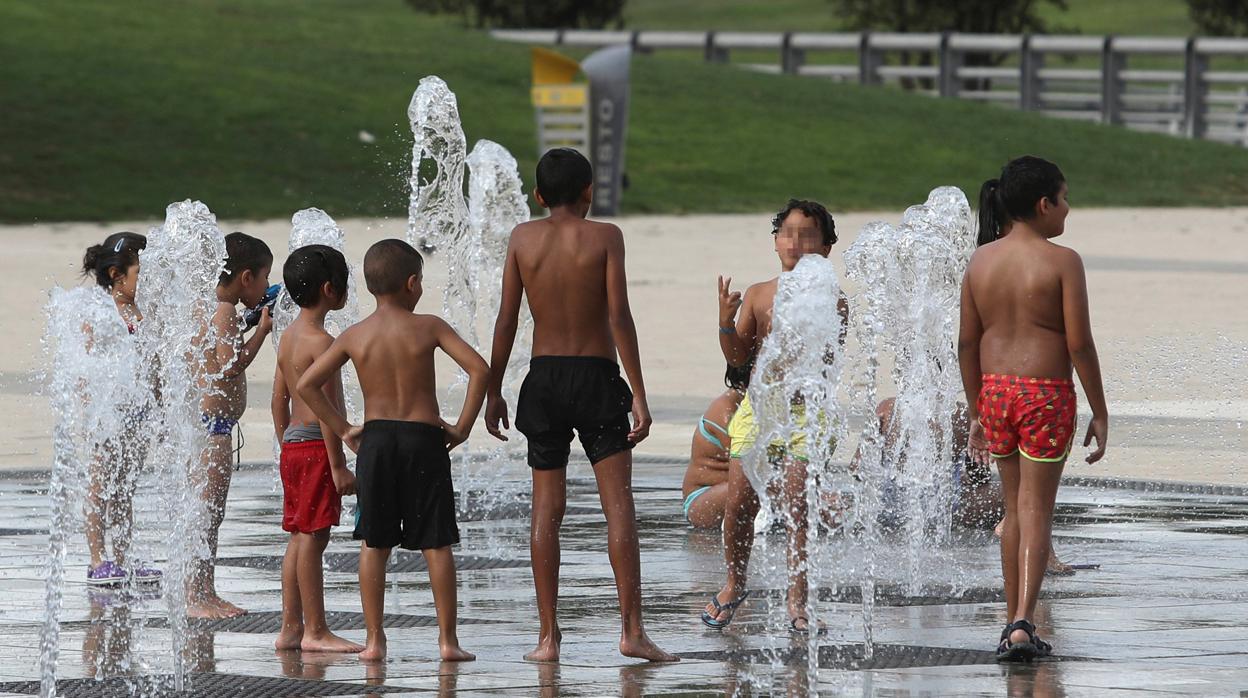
[705, 488]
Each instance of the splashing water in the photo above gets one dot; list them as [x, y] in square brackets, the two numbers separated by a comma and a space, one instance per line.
[177, 295]
[97, 390]
[910, 277]
[312, 226]
[471, 236]
[796, 395]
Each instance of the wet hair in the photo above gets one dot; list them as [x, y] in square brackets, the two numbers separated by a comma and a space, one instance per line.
[307, 270]
[244, 253]
[1013, 195]
[813, 210]
[118, 251]
[738, 377]
[388, 265]
[562, 176]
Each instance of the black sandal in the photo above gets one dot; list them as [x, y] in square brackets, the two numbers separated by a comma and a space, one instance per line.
[1020, 651]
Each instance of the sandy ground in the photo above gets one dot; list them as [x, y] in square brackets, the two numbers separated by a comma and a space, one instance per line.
[1169, 293]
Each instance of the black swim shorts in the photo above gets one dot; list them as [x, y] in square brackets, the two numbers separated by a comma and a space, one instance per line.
[403, 487]
[566, 393]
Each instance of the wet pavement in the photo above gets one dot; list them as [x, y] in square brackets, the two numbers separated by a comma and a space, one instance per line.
[1166, 612]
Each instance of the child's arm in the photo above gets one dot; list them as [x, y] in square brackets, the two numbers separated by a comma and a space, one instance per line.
[624, 332]
[736, 338]
[969, 334]
[280, 405]
[504, 337]
[478, 374]
[226, 323]
[311, 385]
[1083, 350]
[344, 479]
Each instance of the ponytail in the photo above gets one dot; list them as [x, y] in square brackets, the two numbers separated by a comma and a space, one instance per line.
[992, 216]
[118, 251]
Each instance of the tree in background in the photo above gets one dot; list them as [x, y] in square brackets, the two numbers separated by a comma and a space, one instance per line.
[972, 16]
[1219, 17]
[530, 14]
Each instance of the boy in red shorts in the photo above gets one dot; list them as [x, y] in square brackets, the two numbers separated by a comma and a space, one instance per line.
[313, 465]
[1024, 323]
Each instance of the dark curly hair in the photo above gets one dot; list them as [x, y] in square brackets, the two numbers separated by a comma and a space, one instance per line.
[813, 210]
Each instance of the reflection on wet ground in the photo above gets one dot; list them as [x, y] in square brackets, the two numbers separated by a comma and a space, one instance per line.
[1166, 611]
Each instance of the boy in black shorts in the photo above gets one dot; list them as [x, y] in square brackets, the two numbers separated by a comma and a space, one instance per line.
[572, 271]
[403, 472]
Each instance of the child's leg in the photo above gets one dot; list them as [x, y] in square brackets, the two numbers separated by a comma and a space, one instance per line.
[1008, 530]
[441, 565]
[316, 636]
[292, 607]
[615, 491]
[550, 501]
[1037, 494]
[796, 509]
[218, 467]
[740, 508]
[121, 506]
[96, 501]
[707, 510]
[373, 599]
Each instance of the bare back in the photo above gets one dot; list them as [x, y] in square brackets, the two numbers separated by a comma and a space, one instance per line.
[1016, 285]
[392, 351]
[301, 344]
[563, 268]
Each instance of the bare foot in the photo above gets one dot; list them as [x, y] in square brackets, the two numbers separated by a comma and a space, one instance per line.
[204, 609]
[374, 650]
[288, 638]
[1056, 567]
[547, 649]
[328, 642]
[642, 648]
[228, 610]
[455, 653]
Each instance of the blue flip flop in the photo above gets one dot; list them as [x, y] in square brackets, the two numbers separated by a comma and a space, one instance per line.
[712, 622]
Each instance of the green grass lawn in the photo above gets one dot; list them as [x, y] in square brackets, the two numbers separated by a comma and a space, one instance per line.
[254, 106]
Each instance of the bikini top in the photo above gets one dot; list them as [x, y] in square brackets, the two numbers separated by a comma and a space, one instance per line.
[703, 422]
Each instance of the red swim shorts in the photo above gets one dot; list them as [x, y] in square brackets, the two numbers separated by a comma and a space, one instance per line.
[1033, 415]
[310, 502]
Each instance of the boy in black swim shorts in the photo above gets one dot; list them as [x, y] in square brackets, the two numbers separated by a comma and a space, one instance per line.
[572, 271]
[403, 473]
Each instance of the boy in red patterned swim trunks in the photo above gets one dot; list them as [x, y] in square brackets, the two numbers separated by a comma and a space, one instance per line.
[1024, 323]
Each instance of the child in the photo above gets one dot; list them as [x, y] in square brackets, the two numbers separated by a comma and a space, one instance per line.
[705, 488]
[244, 280]
[572, 270]
[313, 466]
[800, 228]
[114, 266]
[405, 495]
[1024, 322]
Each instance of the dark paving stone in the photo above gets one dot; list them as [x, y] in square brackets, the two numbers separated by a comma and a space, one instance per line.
[853, 656]
[270, 622]
[400, 561]
[23, 532]
[895, 595]
[206, 685]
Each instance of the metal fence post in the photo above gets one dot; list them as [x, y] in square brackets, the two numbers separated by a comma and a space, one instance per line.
[1029, 62]
[950, 61]
[868, 61]
[791, 59]
[1194, 91]
[1112, 64]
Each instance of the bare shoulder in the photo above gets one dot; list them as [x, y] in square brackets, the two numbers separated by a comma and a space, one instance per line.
[761, 288]
[1065, 256]
[428, 323]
